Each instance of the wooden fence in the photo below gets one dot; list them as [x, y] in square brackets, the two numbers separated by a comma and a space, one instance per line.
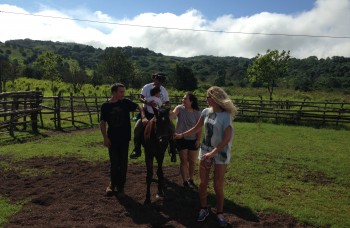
[60, 112]
[295, 111]
[18, 109]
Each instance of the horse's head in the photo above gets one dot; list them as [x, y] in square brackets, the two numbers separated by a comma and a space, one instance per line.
[162, 122]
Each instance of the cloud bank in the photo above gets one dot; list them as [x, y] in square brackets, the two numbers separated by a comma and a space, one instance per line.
[192, 33]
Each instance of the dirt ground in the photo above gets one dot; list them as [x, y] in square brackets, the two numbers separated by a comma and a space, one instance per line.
[71, 193]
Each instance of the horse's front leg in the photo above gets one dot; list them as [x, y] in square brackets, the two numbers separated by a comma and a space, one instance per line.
[149, 166]
[160, 173]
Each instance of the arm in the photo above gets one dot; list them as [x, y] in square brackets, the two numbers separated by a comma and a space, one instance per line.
[166, 101]
[198, 137]
[174, 113]
[152, 103]
[224, 142]
[192, 131]
[103, 129]
[143, 116]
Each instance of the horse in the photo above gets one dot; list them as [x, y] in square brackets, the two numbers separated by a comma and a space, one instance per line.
[155, 142]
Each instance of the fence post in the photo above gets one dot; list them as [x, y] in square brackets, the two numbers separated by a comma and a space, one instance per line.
[34, 115]
[241, 110]
[261, 107]
[25, 109]
[340, 112]
[324, 112]
[72, 107]
[87, 107]
[12, 116]
[300, 111]
[97, 109]
[4, 105]
[58, 111]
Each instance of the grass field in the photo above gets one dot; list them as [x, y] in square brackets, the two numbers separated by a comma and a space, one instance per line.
[300, 171]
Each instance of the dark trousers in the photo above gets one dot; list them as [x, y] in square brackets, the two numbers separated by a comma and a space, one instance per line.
[118, 156]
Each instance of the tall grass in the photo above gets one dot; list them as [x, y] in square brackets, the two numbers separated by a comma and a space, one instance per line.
[22, 84]
[300, 171]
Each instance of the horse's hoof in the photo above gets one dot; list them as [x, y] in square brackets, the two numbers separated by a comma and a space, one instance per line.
[147, 201]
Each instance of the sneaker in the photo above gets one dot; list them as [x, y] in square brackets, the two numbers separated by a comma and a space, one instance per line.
[135, 154]
[109, 190]
[191, 184]
[203, 214]
[221, 220]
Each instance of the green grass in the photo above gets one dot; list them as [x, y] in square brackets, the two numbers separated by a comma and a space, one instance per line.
[7, 209]
[300, 171]
[296, 170]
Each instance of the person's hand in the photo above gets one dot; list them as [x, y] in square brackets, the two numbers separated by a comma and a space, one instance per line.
[153, 104]
[107, 142]
[177, 136]
[208, 155]
[144, 121]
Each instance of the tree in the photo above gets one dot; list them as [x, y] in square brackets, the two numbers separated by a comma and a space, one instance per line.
[184, 78]
[8, 71]
[220, 79]
[5, 68]
[50, 64]
[74, 75]
[268, 68]
[116, 67]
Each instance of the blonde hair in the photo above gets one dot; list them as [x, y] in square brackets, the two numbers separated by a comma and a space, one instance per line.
[223, 100]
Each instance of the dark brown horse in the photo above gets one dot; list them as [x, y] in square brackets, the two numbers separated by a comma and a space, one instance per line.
[156, 137]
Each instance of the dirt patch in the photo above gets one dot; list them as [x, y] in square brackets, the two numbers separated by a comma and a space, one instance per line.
[73, 195]
[318, 178]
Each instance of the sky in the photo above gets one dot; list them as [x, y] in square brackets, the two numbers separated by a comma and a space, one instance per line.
[186, 28]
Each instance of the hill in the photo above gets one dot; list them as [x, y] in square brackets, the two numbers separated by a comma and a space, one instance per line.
[304, 74]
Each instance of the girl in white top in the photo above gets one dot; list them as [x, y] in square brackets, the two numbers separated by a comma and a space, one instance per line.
[215, 149]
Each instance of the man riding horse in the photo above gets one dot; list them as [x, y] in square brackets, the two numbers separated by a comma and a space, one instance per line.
[158, 80]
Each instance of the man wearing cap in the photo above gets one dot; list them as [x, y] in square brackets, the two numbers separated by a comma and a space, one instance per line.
[158, 80]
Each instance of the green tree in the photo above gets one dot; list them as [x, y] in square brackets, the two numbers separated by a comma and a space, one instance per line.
[220, 79]
[5, 68]
[9, 70]
[50, 64]
[116, 67]
[184, 78]
[267, 69]
[76, 76]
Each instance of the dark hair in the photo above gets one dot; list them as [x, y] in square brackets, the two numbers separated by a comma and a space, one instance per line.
[155, 90]
[114, 87]
[161, 77]
[194, 101]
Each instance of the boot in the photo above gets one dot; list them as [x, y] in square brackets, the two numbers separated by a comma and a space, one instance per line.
[136, 153]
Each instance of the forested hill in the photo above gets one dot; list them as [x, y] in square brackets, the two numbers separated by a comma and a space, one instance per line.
[303, 74]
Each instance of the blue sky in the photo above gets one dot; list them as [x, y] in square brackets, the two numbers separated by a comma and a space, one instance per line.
[211, 9]
[250, 25]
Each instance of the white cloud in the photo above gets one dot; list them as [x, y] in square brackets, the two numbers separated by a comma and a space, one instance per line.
[321, 20]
